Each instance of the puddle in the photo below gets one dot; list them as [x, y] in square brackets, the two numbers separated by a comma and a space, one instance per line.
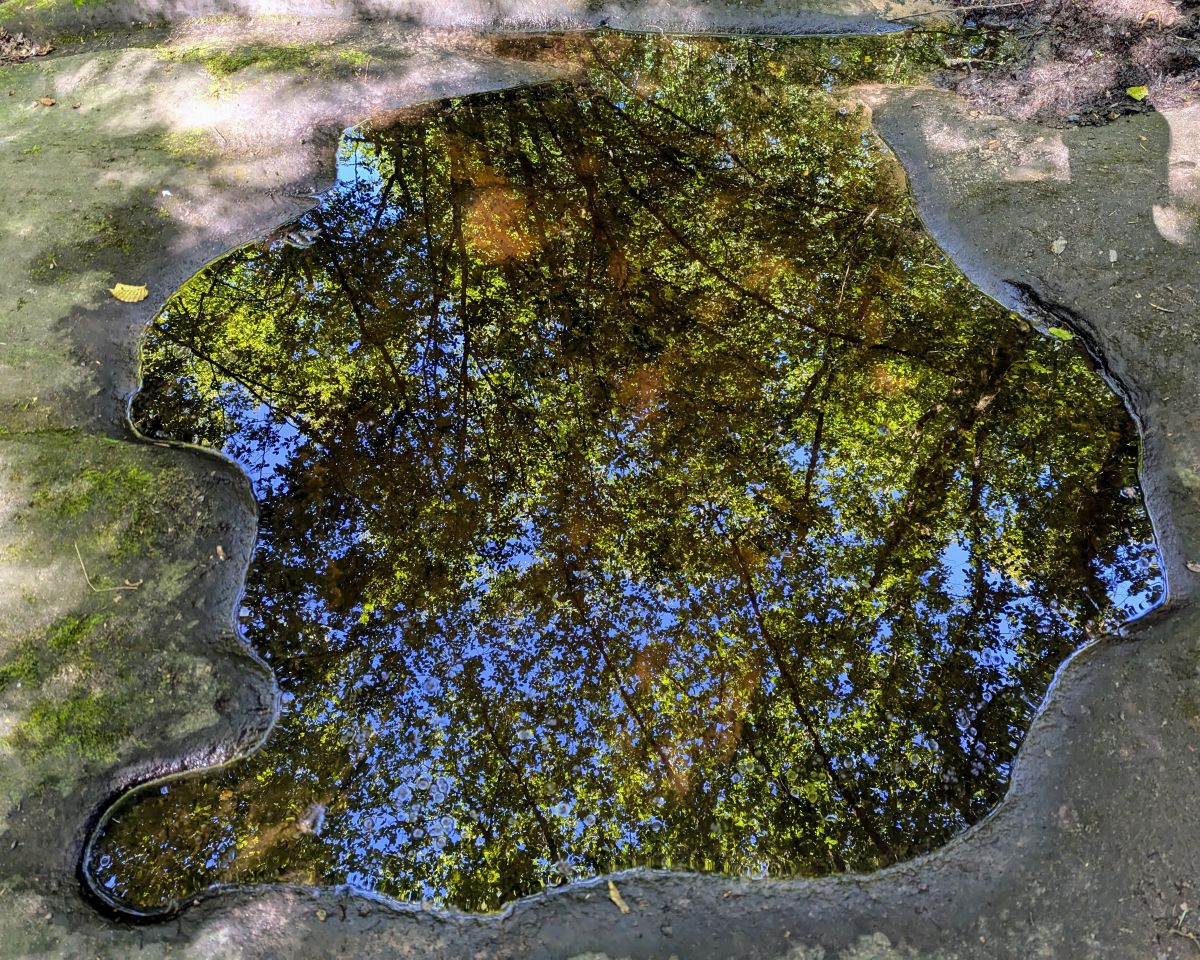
[639, 485]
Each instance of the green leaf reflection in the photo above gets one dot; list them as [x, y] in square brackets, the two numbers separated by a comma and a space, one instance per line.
[639, 484]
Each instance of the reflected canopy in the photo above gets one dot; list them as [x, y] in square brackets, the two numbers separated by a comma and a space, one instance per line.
[639, 484]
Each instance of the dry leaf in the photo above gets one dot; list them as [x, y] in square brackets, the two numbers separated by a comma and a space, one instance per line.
[47, 101]
[1193, 566]
[615, 896]
[1059, 245]
[1138, 93]
[220, 552]
[127, 293]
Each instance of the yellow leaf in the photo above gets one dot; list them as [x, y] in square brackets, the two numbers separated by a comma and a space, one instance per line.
[615, 896]
[129, 294]
[1138, 93]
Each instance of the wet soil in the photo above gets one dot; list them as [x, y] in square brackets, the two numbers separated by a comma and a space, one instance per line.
[1077, 61]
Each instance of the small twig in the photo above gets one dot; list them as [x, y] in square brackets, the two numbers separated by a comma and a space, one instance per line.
[845, 278]
[1187, 935]
[1161, 309]
[95, 589]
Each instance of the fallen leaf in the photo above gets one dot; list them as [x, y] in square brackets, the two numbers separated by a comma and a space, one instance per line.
[1193, 566]
[127, 293]
[47, 101]
[615, 896]
[1059, 245]
[1062, 333]
[220, 552]
[1138, 93]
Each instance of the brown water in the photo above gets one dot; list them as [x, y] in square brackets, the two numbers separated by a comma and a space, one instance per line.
[639, 484]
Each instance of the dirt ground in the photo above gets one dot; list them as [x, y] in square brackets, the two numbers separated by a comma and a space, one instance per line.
[1078, 59]
[140, 173]
[16, 47]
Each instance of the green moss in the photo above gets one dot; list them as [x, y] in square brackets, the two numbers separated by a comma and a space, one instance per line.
[35, 660]
[223, 63]
[112, 509]
[354, 58]
[23, 668]
[69, 632]
[10, 11]
[92, 486]
[86, 723]
[106, 232]
[189, 145]
[45, 267]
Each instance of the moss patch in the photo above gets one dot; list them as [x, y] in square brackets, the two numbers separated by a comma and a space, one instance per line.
[188, 145]
[22, 668]
[86, 723]
[36, 659]
[223, 63]
[113, 506]
[69, 632]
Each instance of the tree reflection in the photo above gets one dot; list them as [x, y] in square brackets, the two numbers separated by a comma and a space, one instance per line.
[638, 484]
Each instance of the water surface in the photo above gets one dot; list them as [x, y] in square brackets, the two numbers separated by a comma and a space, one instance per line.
[639, 484]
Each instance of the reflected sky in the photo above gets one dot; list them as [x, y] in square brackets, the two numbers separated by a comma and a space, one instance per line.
[638, 484]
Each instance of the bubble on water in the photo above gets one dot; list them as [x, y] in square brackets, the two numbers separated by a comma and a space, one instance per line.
[448, 823]
[436, 796]
[444, 784]
[794, 793]
[418, 833]
[525, 735]
[430, 686]
[589, 820]
[105, 862]
[423, 782]
[736, 778]
[435, 829]
[403, 793]
[561, 809]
